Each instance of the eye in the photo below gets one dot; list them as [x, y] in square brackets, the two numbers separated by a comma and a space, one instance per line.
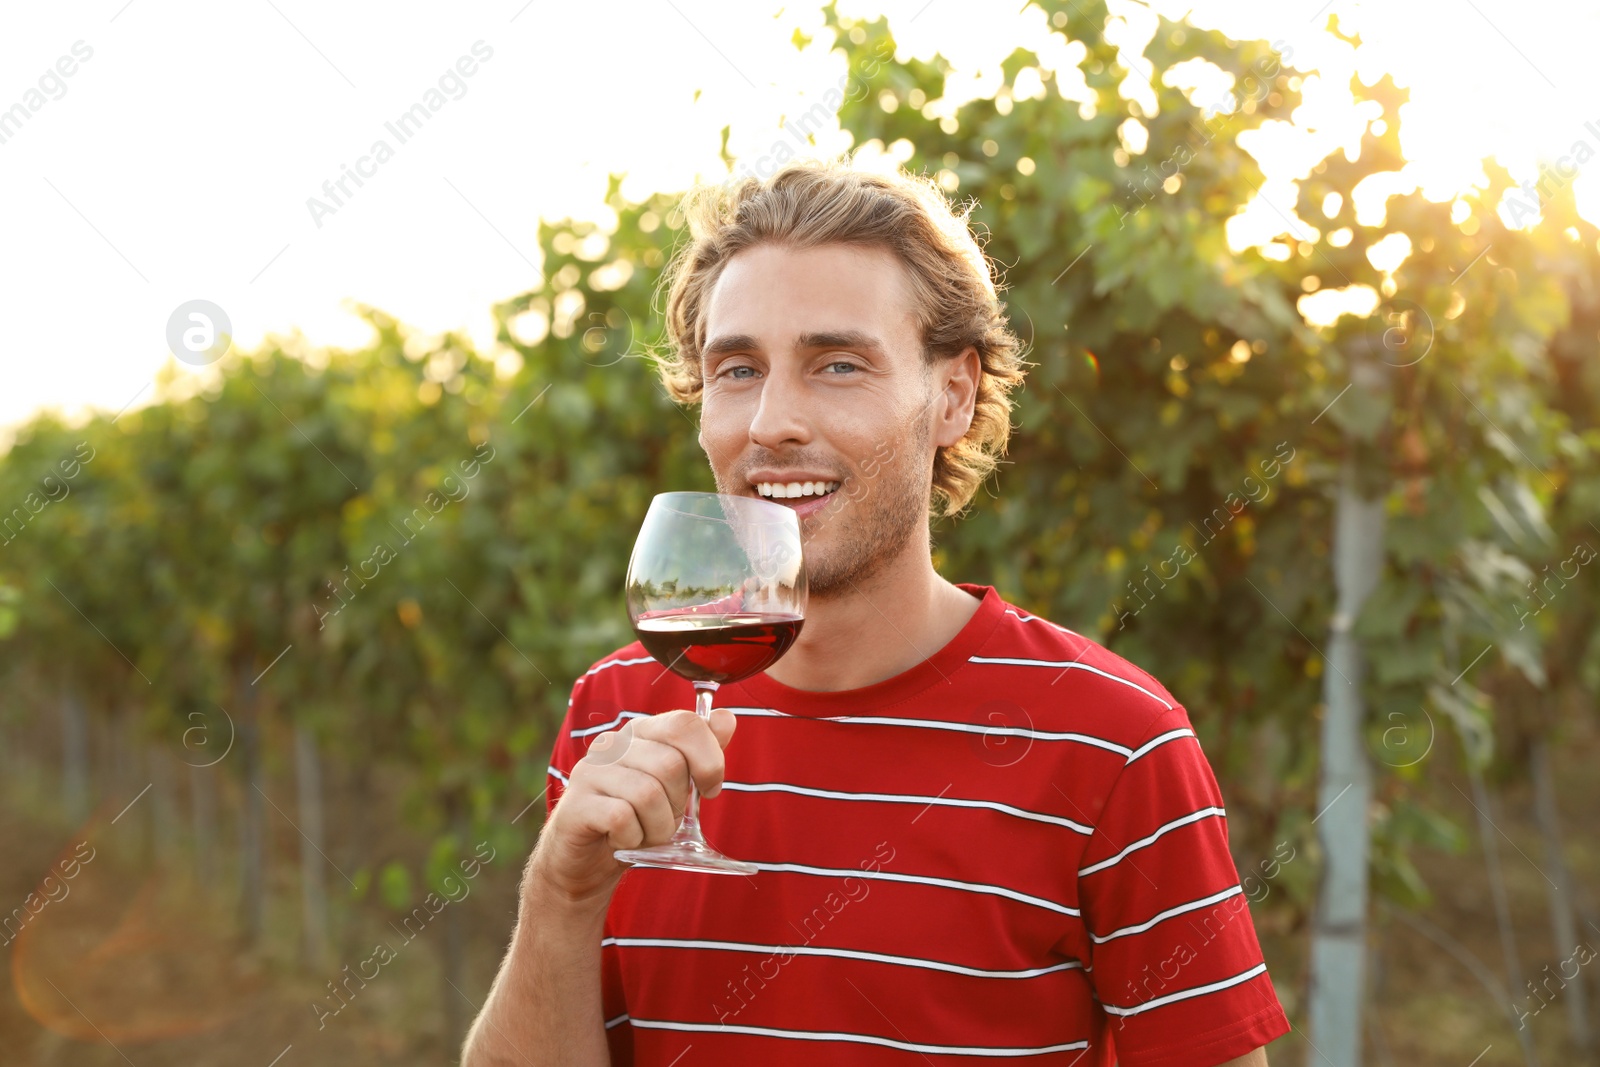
[734, 370]
[843, 363]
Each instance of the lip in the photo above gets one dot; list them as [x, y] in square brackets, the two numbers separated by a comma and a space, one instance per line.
[811, 505]
[808, 507]
[788, 476]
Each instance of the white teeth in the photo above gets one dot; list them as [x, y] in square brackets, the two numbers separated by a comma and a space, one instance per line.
[791, 490]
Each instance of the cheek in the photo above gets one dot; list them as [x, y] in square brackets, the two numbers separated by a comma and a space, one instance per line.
[721, 426]
[724, 440]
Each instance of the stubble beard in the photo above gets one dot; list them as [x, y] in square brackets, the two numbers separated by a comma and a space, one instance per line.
[872, 530]
[870, 524]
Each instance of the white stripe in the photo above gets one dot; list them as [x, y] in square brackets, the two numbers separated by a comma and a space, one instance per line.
[922, 879]
[931, 724]
[880, 720]
[841, 953]
[1169, 913]
[1157, 742]
[612, 1022]
[907, 798]
[557, 773]
[1047, 622]
[864, 1039]
[618, 663]
[603, 727]
[1187, 994]
[974, 728]
[1193, 816]
[1069, 665]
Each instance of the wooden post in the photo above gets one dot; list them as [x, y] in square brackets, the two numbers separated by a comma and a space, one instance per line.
[1339, 932]
[313, 876]
[1563, 924]
[252, 820]
[74, 757]
[203, 803]
[1488, 833]
[163, 805]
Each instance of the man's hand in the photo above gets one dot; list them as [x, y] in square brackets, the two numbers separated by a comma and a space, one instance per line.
[629, 791]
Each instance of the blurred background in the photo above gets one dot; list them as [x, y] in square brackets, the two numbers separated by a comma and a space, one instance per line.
[329, 420]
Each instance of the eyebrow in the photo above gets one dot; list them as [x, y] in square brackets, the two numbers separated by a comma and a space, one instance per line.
[743, 342]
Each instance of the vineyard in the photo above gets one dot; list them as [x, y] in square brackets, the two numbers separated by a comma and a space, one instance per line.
[284, 651]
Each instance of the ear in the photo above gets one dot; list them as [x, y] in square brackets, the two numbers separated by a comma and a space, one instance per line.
[958, 380]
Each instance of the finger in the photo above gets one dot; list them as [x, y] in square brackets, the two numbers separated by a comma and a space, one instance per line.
[693, 736]
[723, 722]
[609, 747]
[653, 809]
[659, 759]
[615, 820]
[664, 762]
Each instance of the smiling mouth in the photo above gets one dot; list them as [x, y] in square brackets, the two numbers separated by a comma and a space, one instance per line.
[795, 493]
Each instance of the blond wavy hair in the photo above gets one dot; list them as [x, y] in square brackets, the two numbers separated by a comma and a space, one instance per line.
[812, 203]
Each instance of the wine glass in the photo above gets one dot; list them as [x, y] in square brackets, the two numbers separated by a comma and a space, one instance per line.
[716, 590]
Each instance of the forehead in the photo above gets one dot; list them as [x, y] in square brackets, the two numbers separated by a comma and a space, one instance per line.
[775, 294]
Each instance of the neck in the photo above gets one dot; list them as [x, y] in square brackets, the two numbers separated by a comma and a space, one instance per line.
[877, 629]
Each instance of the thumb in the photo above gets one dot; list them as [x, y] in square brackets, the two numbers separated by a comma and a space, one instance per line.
[722, 723]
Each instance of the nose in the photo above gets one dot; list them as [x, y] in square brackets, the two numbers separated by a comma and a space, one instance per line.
[781, 417]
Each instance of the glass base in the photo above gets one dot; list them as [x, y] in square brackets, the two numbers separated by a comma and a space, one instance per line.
[685, 856]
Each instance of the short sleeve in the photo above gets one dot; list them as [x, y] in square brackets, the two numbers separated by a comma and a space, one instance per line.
[1176, 963]
[584, 720]
[564, 754]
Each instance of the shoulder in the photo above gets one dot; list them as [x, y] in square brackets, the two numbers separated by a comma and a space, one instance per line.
[1065, 680]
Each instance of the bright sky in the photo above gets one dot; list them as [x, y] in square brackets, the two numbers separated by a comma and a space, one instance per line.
[175, 161]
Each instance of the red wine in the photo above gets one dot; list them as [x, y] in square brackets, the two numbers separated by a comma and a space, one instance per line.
[704, 647]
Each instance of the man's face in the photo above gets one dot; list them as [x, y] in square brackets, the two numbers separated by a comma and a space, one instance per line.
[814, 372]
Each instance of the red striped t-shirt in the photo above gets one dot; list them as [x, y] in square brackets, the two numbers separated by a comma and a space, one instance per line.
[1014, 850]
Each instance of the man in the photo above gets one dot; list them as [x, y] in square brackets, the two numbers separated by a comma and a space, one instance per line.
[978, 834]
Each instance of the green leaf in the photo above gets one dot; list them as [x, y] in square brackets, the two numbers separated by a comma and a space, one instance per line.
[394, 885]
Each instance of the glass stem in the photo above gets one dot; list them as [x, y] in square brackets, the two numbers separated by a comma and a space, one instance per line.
[689, 828]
